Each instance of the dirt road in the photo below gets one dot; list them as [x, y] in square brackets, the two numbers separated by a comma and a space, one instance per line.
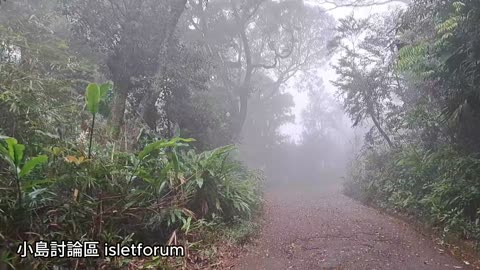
[307, 228]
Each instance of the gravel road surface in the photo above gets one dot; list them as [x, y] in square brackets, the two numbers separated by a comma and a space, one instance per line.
[320, 228]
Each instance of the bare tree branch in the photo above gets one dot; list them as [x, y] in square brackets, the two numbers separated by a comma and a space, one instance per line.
[359, 3]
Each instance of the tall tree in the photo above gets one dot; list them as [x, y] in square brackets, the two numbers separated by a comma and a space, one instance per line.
[440, 49]
[367, 81]
[278, 38]
[261, 133]
[133, 36]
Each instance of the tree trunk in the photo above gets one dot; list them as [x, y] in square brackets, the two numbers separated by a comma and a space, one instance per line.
[380, 129]
[118, 107]
[242, 115]
[244, 90]
[121, 88]
[150, 113]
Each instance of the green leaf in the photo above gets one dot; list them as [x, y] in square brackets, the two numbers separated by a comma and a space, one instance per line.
[4, 152]
[162, 186]
[152, 147]
[93, 97]
[32, 163]
[34, 194]
[187, 224]
[105, 89]
[47, 134]
[175, 161]
[161, 144]
[19, 150]
[35, 183]
[11, 142]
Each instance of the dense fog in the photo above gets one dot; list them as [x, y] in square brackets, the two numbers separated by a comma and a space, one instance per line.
[183, 123]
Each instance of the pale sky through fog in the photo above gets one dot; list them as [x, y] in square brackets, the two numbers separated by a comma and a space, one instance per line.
[300, 98]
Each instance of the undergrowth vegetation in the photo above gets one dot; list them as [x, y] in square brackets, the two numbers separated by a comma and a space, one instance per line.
[441, 187]
[426, 100]
[165, 193]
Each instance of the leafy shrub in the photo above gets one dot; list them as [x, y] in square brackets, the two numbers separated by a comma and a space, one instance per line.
[159, 191]
[440, 186]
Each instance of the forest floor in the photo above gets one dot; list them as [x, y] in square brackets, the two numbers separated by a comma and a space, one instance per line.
[312, 228]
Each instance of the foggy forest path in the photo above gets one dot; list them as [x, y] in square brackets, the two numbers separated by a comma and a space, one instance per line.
[310, 229]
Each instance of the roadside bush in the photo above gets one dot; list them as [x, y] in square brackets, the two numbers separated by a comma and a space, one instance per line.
[109, 198]
[158, 195]
[439, 186]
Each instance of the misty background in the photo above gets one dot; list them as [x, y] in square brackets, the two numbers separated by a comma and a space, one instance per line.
[318, 141]
[163, 121]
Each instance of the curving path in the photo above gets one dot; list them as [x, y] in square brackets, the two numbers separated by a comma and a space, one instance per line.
[306, 228]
